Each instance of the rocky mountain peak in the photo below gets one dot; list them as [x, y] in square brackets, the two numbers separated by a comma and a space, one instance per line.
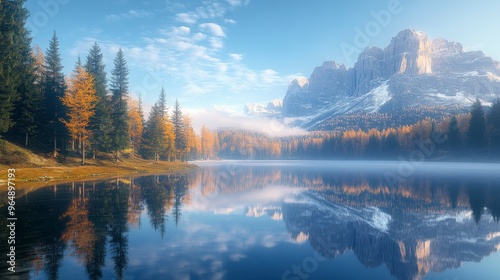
[333, 65]
[441, 46]
[411, 72]
[409, 53]
[298, 84]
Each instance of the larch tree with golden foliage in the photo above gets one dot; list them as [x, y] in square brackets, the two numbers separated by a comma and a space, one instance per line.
[135, 124]
[190, 137]
[80, 100]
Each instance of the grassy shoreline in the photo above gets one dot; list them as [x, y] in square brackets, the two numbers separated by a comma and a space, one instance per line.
[38, 170]
[28, 177]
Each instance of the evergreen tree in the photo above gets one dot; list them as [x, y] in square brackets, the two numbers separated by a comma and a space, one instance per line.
[373, 147]
[119, 116]
[100, 123]
[168, 130]
[453, 135]
[16, 67]
[36, 103]
[390, 146]
[27, 109]
[141, 112]
[54, 88]
[159, 139]
[78, 63]
[154, 135]
[494, 125]
[477, 127]
[179, 131]
[39, 70]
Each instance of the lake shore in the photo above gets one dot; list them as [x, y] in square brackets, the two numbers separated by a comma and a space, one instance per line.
[28, 177]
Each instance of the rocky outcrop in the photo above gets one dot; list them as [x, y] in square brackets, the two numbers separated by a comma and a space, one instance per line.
[408, 53]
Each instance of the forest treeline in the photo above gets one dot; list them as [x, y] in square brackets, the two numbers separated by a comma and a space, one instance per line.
[86, 113]
[463, 136]
[91, 114]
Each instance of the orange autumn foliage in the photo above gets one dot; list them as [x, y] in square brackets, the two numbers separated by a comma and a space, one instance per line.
[135, 124]
[80, 99]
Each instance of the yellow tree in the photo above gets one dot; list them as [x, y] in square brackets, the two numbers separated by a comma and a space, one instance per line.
[190, 137]
[135, 124]
[169, 135]
[80, 99]
[207, 143]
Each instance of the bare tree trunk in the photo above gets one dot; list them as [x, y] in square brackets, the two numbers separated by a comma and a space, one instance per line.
[55, 144]
[83, 152]
[26, 140]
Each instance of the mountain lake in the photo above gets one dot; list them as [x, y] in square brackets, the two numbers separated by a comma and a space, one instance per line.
[240, 220]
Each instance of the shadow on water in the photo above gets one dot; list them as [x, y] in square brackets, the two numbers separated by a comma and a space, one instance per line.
[424, 223]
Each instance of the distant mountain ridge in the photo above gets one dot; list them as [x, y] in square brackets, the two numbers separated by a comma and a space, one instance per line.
[272, 109]
[412, 72]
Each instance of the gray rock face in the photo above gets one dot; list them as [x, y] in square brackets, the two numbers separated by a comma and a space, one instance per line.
[412, 71]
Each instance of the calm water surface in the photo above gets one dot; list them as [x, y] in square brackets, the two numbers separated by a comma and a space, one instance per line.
[265, 220]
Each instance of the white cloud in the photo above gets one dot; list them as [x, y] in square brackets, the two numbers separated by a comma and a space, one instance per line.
[236, 56]
[131, 14]
[213, 28]
[209, 11]
[184, 30]
[236, 3]
[188, 18]
[216, 43]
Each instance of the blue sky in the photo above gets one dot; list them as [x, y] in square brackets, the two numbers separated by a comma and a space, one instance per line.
[217, 55]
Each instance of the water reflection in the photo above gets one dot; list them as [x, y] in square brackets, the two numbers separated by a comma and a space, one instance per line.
[427, 222]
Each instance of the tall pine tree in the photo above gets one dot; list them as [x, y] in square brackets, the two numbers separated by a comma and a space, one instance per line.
[54, 88]
[477, 127]
[100, 123]
[453, 139]
[154, 140]
[16, 65]
[168, 129]
[494, 125]
[27, 109]
[119, 88]
[179, 131]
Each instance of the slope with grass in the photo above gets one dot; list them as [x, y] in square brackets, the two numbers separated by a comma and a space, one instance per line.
[38, 170]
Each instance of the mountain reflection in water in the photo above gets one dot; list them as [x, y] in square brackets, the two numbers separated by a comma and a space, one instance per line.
[428, 222]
